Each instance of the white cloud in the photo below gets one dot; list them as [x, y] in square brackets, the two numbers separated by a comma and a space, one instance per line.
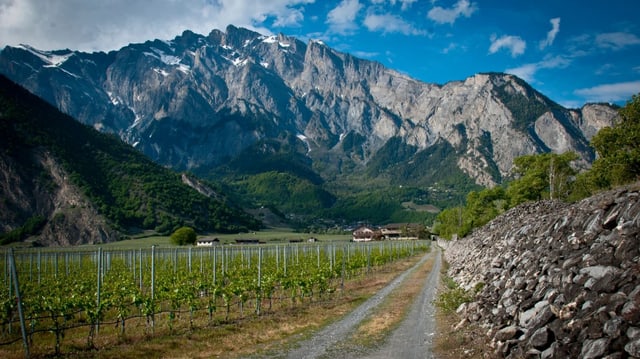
[106, 25]
[342, 18]
[388, 23]
[452, 46]
[406, 4]
[365, 54]
[616, 40]
[551, 35]
[514, 44]
[604, 69]
[527, 71]
[621, 91]
[441, 15]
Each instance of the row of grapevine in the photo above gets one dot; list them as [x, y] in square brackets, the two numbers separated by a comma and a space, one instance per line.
[52, 291]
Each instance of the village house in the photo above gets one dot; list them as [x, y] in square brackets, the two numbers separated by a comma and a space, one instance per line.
[397, 231]
[364, 234]
[207, 241]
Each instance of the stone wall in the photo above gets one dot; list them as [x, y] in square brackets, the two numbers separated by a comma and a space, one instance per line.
[560, 280]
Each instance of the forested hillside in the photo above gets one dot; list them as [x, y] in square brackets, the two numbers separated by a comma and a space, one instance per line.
[124, 186]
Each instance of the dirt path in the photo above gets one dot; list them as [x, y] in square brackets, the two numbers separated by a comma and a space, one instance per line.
[412, 339]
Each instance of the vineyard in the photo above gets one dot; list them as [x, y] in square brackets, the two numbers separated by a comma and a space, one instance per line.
[47, 293]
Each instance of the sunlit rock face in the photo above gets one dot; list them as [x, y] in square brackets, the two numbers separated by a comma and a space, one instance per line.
[199, 101]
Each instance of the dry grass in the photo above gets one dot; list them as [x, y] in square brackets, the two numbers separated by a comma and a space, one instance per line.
[468, 342]
[252, 334]
[394, 308]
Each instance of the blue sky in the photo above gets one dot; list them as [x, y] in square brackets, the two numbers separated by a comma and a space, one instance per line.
[572, 51]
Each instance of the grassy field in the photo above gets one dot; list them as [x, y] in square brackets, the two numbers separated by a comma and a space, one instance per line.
[268, 236]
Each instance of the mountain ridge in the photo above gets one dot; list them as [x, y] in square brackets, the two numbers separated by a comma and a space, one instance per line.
[72, 185]
[200, 102]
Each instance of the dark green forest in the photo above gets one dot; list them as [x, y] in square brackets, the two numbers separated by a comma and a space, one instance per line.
[126, 187]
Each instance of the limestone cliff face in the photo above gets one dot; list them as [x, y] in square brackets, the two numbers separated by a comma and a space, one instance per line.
[199, 101]
[559, 280]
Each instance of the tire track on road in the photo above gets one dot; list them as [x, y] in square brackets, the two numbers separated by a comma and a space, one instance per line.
[323, 341]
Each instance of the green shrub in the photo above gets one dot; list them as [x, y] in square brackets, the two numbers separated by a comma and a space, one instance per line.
[449, 300]
[184, 235]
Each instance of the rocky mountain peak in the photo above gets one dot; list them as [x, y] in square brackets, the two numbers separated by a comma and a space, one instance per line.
[199, 102]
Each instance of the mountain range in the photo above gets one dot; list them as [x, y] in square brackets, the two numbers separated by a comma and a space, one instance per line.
[237, 104]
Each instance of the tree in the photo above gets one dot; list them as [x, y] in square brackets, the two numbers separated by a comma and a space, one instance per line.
[450, 221]
[543, 176]
[618, 149]
[485, 205]
[184, 235]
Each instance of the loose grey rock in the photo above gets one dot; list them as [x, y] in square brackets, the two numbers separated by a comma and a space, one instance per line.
[633, 348]
[592, 349]
[507, 333]
[540, 338]
[561, 274]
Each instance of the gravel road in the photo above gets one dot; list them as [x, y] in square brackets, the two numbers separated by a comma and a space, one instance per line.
[412, 339]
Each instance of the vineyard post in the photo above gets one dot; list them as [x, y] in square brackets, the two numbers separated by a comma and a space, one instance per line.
[343, 269]
[175, 261]
[284, 255]
[369, 259]
[318, 254]
[189, 259]
[30, 266]
[8, 275]
[201, 262]
[14, 274]
[7, 269]
[223, 268]
[98, 279]
[333, 253]
[153, 285]
[55, 264]
[215, 257]
[140, 263]
[39, 263]
[259, 281]
[330, 257]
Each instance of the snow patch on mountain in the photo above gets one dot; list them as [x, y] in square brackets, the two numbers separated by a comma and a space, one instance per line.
[186, 69]
[51, 59]
[114, 99]
[304, 139]
[161, 72]
[268, 39]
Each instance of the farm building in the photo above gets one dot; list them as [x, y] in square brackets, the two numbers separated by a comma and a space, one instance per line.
[396, 231]
[365, 234]
[207, 241]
